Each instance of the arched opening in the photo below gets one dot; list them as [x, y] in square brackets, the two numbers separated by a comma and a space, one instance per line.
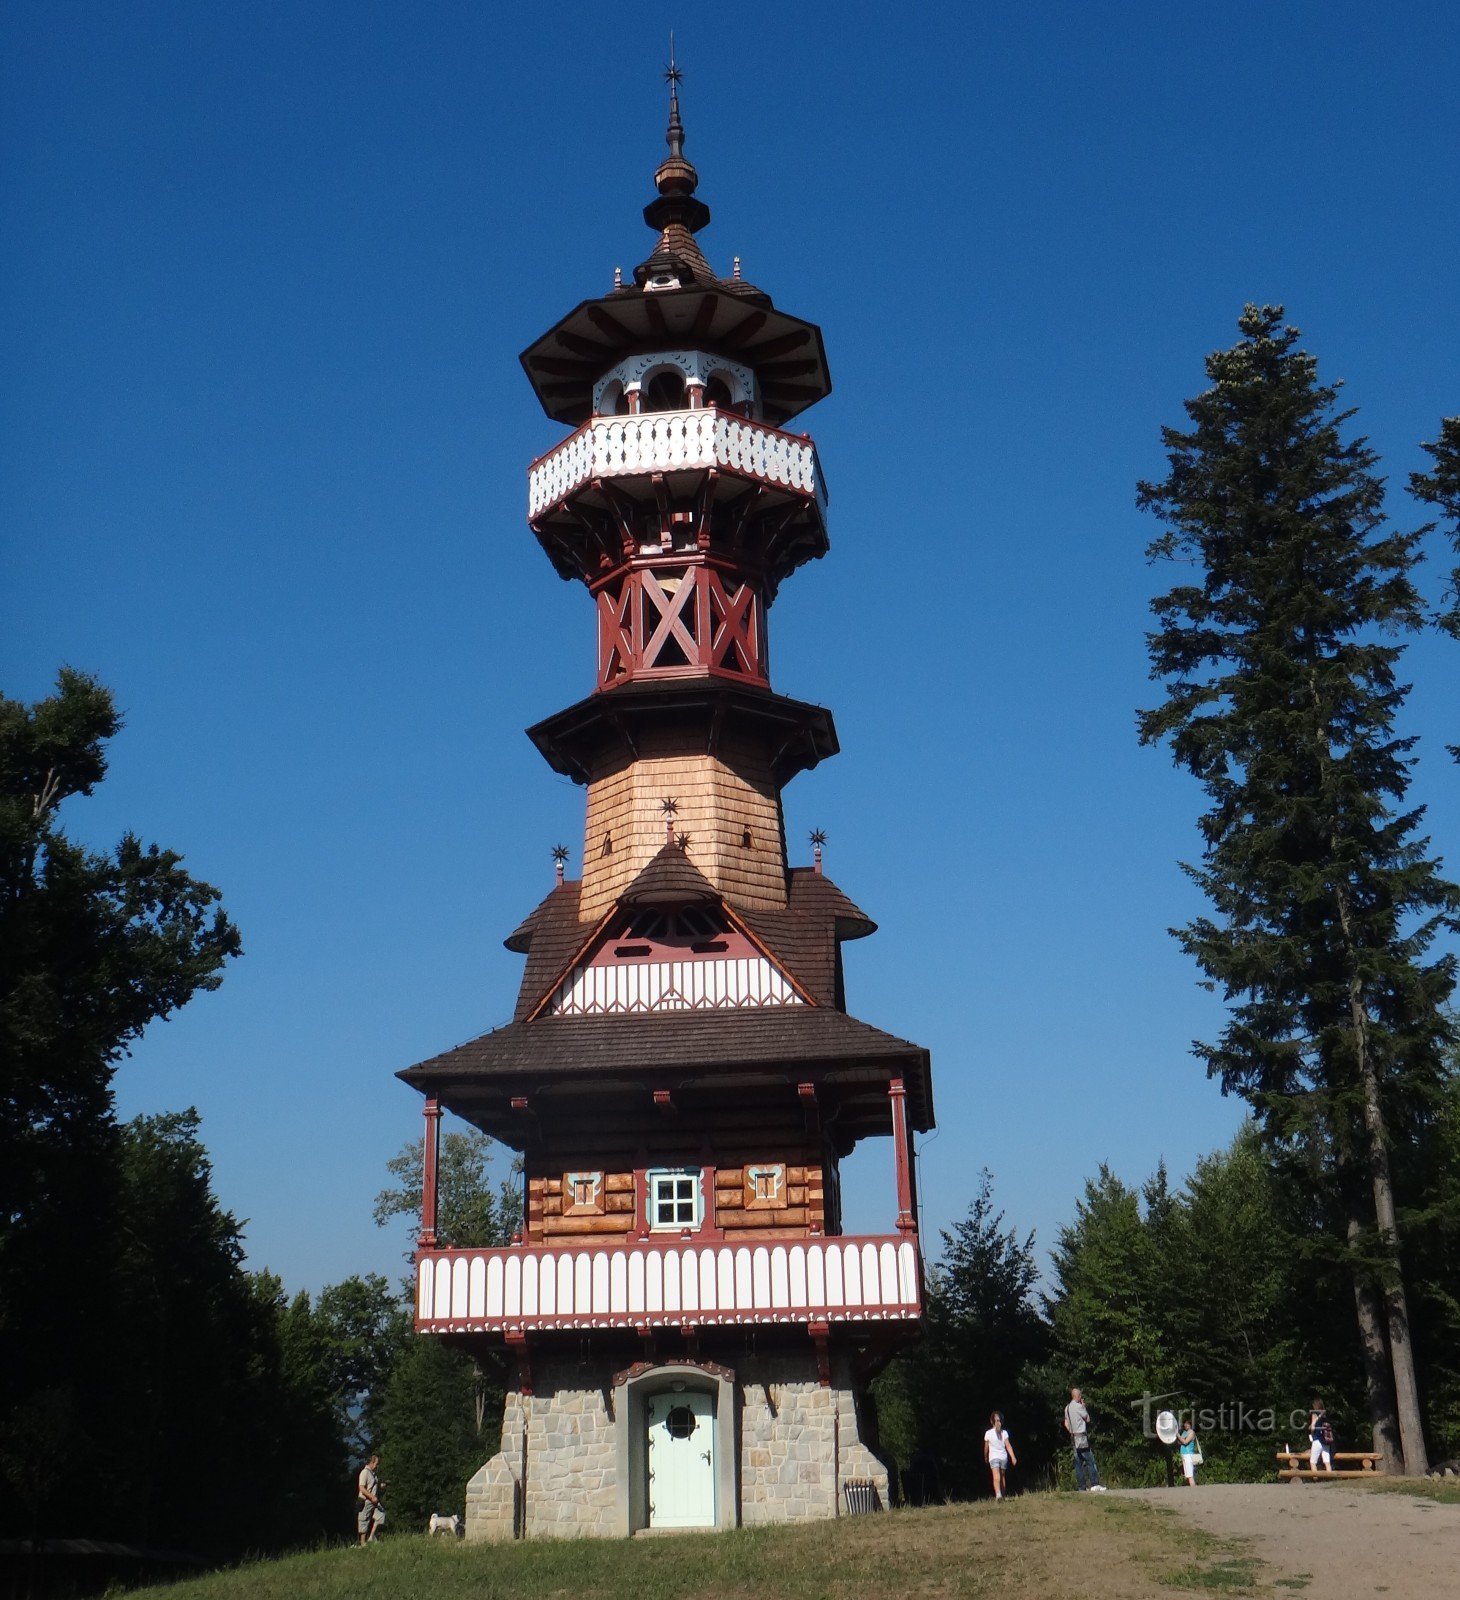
[664, 392]
[676, 1443]
[615, 403]
[717, 393]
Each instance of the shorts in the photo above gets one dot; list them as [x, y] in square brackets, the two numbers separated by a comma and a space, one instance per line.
[1188, 1465]
[1001, 1462]
[365, 1515]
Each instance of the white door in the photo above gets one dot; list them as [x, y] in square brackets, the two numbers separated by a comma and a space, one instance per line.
[681, 1461]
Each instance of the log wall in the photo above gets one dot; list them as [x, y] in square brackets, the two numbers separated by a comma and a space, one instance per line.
[801, 1205]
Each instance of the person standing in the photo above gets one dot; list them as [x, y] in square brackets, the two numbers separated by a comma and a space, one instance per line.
[368, 1515]
[1077, 1425]
[1190, 1454]
[998, 1451]
[1320, 1438]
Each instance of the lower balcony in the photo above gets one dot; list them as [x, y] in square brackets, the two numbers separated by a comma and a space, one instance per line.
[526, 1289]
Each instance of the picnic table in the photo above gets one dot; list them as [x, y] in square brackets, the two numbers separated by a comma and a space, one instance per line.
[1294, 1466]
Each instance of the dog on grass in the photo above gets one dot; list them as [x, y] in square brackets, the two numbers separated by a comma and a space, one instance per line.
[448, 1525]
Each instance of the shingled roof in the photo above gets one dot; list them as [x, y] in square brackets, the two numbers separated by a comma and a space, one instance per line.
[806, 1041]
[670, 879]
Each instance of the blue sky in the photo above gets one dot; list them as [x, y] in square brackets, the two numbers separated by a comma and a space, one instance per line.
[266, 272]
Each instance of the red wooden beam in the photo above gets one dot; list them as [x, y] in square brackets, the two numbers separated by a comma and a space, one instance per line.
[902, 1155]
[429, 1179]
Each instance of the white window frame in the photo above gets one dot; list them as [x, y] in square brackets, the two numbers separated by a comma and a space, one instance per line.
[674, 1178]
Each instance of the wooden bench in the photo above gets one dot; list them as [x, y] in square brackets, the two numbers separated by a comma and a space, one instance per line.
[1294, 1468]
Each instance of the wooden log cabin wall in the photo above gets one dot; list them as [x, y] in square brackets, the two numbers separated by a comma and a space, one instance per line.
[781, 1187]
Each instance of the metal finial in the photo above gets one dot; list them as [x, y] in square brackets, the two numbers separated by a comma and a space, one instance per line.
[736, 273]
[818, 839]
[618, 277]
[683, 841]
[674, 77]
[668, 807]
[560, 856]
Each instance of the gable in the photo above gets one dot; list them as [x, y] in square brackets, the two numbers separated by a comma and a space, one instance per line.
[671, 958]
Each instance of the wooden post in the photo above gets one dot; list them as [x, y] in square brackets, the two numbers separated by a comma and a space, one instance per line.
[897, 1094]
[427, 1237]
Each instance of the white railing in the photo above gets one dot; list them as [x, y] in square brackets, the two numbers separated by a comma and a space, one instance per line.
[669, 1285]
[670, 441]
[640, 986]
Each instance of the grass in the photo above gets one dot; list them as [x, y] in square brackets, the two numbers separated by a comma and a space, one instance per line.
[1443, 1491]
[1035, 1547]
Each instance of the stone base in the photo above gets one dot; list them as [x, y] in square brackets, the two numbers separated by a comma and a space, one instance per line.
[572, 1461]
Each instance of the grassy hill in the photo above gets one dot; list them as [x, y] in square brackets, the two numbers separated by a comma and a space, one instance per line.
[1036, 1547]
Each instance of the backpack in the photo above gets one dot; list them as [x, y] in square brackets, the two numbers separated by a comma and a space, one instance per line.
[1325, 1433]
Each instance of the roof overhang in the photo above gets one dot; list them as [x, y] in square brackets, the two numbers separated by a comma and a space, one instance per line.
[574, 741]
[787, 354]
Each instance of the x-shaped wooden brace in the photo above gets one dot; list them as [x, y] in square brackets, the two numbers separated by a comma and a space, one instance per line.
[736, 627]
[615, 633]
[671, 613]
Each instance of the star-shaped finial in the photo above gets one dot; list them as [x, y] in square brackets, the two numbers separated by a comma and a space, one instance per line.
[818, 837]
[669, 807]
[672, 74]
[561, 853]
[683, 841]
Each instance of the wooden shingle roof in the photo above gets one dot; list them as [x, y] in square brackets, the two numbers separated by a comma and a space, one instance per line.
[632, 1052]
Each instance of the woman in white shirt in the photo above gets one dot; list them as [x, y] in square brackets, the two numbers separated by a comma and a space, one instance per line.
[998, 1451]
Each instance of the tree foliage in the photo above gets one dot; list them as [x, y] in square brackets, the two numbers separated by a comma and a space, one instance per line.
[1440, 487]
[473, 1210]
[1279, 663]
[93, 947]
[982, 1337]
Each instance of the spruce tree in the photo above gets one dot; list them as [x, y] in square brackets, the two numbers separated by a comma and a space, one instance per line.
[1441, 489]
[1278, 658]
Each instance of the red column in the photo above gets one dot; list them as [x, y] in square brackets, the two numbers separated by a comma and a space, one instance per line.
[902, 1155]
[427, 1236]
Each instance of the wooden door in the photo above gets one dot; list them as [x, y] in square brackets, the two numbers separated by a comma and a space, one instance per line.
[681, 1460]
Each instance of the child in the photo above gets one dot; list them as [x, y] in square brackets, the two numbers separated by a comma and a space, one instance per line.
[998, 1451]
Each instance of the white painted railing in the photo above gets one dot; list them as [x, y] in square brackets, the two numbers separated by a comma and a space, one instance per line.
[640, 986]
[671, 441]
[669, 1285]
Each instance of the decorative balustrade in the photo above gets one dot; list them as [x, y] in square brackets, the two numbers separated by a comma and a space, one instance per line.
[673, 441]
[676, 1284]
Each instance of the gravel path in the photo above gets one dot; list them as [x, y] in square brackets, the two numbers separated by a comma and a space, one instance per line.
[1350, 1542]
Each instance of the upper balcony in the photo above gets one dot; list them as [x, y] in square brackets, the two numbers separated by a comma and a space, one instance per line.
[666, 442]
[649, 1284]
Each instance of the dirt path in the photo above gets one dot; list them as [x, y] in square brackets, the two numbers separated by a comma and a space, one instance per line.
[1349, 1542]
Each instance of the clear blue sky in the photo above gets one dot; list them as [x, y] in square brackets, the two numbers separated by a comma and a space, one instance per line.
[266, 271]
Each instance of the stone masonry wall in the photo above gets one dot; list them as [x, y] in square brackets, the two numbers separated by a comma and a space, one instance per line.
[800, 1444]
[571, 1473]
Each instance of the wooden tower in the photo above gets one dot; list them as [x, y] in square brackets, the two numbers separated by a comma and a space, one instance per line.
[692, 1331]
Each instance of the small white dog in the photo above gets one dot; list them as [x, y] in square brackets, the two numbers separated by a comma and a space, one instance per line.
[449, 1525]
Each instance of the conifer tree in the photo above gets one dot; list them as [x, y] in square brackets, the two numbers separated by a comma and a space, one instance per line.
[1441, 489]
[1278, 658]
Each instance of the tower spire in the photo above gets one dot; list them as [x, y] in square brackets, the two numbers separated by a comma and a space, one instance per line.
[674, 77]
[676, 178]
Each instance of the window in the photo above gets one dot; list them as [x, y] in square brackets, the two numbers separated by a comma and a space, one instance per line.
[674, 1198]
